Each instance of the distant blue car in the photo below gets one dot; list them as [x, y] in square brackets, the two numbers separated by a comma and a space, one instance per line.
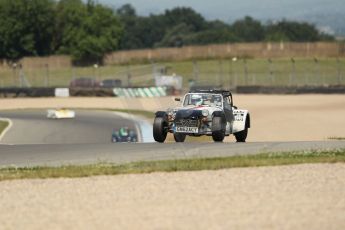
[124, 134]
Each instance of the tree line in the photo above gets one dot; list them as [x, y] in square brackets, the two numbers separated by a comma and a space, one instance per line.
[88, 30]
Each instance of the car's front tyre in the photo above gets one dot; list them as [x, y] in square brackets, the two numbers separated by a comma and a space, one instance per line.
[179, 137]
[242, 135]
[160, 129]
[218, 129]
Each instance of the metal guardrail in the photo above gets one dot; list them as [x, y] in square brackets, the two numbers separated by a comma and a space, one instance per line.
[88, 92]
[165, 91]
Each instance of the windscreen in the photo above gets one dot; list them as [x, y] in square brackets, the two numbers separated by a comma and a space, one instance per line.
[203, 99]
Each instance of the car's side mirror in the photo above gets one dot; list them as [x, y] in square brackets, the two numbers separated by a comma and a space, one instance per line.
[177, 99]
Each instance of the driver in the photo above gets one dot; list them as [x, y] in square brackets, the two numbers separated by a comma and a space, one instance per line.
[217, 101]
[124, 131]
[197, 100]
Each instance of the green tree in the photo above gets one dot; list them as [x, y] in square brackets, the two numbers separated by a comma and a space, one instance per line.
[184, 15]
[140, 32]
[126, 11]
[157, 30]
[294, 31]
[213, 36]
[26, 28]
[86, 31]
[176, 36]
[248, 30]
[216, 32]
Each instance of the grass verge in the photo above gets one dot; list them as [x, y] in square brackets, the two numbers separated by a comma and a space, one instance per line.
[3, 125]
[265, 159]
[337, 138]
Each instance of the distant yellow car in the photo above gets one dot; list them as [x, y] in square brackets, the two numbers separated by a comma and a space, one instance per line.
[60, 113]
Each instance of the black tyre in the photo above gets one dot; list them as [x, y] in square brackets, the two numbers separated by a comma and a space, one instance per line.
[160, 131]
[218, 129]
[179, 137]
[241, 136]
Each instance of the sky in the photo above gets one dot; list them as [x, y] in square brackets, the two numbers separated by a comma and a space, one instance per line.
[228, 10]
[320, 12]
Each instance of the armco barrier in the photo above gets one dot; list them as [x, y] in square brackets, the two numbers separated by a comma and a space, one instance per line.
[61, 92]
[27, 92]
[88, 92]
[142, 92]
[162, 91]
[91, 92]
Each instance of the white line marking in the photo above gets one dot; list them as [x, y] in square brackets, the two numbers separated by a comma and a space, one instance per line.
[10, 123]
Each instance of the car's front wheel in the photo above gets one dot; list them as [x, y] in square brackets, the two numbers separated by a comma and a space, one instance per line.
[218, 130]
[242, 135]
[160, 129]
[179, 137]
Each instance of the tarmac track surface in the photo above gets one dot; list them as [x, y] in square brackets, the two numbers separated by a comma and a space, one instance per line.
[34, 140]
[32, 127]
[66, 154]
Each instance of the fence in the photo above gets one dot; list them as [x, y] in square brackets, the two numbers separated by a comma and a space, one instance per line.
[228, 73]
[232, 72]
[47, 76]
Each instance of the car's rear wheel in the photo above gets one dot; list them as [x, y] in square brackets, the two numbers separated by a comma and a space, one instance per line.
[160, 129]
[218, 129]
[179, 137]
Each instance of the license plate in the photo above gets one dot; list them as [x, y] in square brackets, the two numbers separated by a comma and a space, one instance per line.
[187, 129]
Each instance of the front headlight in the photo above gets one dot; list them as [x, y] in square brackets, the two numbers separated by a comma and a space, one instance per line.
[205, 112]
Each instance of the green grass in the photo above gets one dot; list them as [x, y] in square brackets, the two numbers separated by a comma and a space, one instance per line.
[3, 125]
[265, 159]
[337, 138]
[281, 72]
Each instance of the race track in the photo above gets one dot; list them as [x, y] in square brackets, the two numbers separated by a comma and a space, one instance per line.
[32, 127]
[34, 140]
[66, 154]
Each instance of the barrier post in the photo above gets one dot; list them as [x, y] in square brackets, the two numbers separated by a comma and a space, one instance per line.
[270, 71]
[128, 76]
[338, 71]
[196, 72]
[221, 75]
[245, 66]
[46, 79]
[293, 72]
[14, 68]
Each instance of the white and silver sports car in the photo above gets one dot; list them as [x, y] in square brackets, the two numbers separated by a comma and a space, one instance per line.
[203, 112]
[60, 113]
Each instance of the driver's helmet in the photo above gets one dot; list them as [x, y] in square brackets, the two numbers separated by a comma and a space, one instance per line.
[197, 99]
[217, 100]
[124, 131]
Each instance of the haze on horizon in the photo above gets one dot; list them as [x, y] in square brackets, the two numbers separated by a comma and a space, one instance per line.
[323, 13]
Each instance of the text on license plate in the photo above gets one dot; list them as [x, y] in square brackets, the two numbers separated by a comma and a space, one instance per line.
[186, 129]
